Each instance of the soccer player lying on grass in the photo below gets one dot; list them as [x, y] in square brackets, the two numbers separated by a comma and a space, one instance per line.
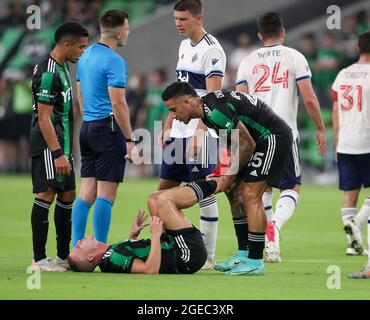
[176, 246]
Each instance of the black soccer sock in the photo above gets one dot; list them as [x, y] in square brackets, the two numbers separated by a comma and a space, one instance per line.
[40, 227]
[241, 231]
[63, 225]
[256, 243]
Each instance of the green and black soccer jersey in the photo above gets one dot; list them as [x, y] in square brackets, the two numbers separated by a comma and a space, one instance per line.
[272, 135]
[182, 251]
[223, 110]
[120, 256]
[51, 85]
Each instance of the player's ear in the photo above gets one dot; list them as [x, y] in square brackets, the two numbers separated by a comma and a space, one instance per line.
[260, 36]
[282, 33]
[90, 257]
[199, 19]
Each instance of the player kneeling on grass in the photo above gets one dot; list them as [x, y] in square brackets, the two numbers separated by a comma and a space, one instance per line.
[176, 246]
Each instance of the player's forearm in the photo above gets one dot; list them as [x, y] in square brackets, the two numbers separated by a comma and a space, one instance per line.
[153, 262]
[48, 132]
[242, 148]
[313, 109]
[168, 122]
[122, 116]
[79, 101]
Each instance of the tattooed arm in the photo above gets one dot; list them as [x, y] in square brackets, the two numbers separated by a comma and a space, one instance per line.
[242, 148]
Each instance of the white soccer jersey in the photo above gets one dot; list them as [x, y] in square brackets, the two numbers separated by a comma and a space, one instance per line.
[352, 91]
[271, 73]
[196, 63]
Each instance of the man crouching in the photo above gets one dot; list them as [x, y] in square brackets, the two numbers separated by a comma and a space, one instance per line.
[176, 246]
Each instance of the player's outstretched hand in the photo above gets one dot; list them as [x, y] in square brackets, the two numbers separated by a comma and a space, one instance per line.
[321, 142]
[156, 226]
[138, 225]
[63, 166]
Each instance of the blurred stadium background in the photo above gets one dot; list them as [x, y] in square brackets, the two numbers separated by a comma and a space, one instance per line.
[151, 55]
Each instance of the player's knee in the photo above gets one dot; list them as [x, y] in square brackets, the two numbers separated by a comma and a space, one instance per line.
[164, 201]
[69, 196]
[152, 204]
[48, 196]
[88, 195]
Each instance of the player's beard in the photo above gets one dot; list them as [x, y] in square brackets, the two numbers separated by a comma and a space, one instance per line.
[121, 43]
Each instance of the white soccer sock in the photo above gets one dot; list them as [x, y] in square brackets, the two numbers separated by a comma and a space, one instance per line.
[348, 214]
[267, 203]
[364, 213]
[208, 224]
[285, 207]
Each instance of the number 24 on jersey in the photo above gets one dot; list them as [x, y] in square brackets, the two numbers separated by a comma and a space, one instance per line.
[277, 76]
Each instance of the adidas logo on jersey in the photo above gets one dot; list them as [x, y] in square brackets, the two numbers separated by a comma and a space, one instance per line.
[195, 169]
[254, 173]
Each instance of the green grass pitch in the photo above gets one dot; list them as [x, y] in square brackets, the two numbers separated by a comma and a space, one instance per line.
[312, 241]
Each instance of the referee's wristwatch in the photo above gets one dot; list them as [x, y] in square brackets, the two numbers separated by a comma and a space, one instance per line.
[132, 139]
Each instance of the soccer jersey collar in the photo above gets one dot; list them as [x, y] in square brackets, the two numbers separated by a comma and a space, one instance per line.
[272, 45]
[56, 61]
[103, 44]
[194, 45]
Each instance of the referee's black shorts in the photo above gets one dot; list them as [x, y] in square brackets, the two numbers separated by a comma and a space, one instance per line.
[191, 253]
[103, 150]
[44, 174]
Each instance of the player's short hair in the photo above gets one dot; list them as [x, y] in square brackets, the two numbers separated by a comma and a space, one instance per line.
[364, 42]
[193, 6]
[113, 19]
[70, 29]
[270, 25]
[80, 265]
[178, 89]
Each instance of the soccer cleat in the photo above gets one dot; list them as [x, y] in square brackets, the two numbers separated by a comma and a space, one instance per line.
[364, 273]
[62, 263]
[232, 262]
[248, 267]
[353, 234]
[272, 252]
[46, 265]
[351, 251]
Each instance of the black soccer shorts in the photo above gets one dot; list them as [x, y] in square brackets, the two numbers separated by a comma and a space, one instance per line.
[191, 253]
[44, 174]
[103, 150]
[268, 160]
